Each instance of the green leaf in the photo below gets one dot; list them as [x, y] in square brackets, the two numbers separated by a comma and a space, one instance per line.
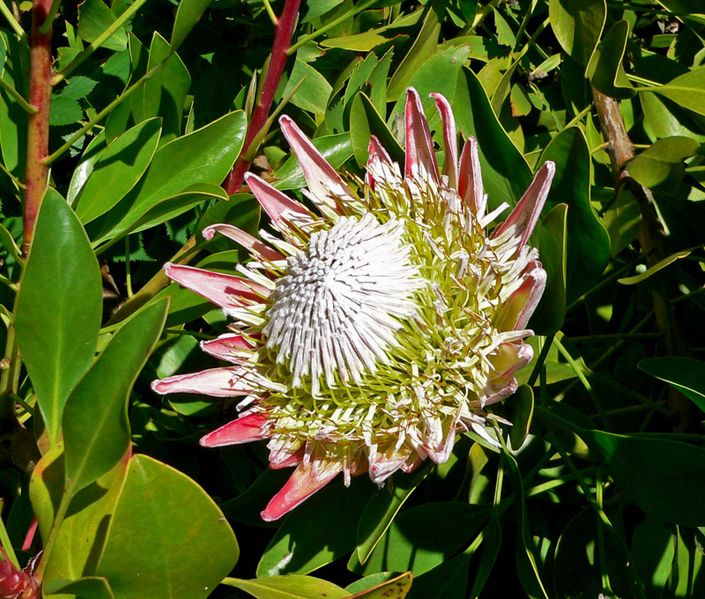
[187, 16]
[655, 164]
[380, 512]
[119, 168]
[78, 88]
[90, 586]
[440, 73]
[505, 173]
[317, 8]
[424, 47]
[178, 204]
[662, 118]
[653, 550]
[13, 119]
[657, 474]
[577, 25]
[550, 237]
[163, 526]
[96, 429]
[8, 242]
[90, 156]
[292, 586]
[204, 156]
[449, 580]
[313, 88]
[305, 541]
[396, 587]
[605, 69]
[688, 90]
[64, 111]
[491, 544]
[588, 245]
[684, 374]
[359, 42]
[46, 487]
[3, 54]
[520, 413]
[164, 93]
[82, 534]
[58, 309]
[425, 536]
[366, 121]
[94, 17]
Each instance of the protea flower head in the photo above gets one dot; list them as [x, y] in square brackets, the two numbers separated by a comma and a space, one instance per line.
[369, 330]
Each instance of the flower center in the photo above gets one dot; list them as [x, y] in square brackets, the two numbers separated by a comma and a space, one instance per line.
[338, 307]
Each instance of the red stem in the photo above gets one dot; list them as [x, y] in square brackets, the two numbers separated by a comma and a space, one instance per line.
[282, 42]
[36, 172]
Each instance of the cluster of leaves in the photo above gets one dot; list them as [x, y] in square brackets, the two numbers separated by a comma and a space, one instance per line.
[595, 489]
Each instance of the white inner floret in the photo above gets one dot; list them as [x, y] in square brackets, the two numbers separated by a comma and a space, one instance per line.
[341, 301]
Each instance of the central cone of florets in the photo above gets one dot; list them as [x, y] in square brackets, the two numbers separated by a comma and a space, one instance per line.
[338, 307]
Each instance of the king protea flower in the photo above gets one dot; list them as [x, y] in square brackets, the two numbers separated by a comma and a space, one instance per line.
[371, 329]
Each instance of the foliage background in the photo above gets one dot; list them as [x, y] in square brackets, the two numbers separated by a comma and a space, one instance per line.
[598, 487]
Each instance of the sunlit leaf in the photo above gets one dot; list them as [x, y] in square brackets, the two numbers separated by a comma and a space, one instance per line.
[59, 308]
[163, 526]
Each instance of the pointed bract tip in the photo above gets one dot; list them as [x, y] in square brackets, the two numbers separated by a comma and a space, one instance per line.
[157, 387]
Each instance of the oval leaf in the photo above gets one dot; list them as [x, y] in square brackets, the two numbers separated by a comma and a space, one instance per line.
[687, 91]
[163, 525]
[587, 245]
[58, 309]
[577, 25]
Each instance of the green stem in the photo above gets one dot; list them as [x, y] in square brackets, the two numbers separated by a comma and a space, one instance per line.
[573, 364]
[7, 378]
[49, 21]
[10, 18]
[645, 82]
[17, 96]
[268, 9]
[99, 41]
[103, 113]
[328, 26]
[578, 117]
[17, 183]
